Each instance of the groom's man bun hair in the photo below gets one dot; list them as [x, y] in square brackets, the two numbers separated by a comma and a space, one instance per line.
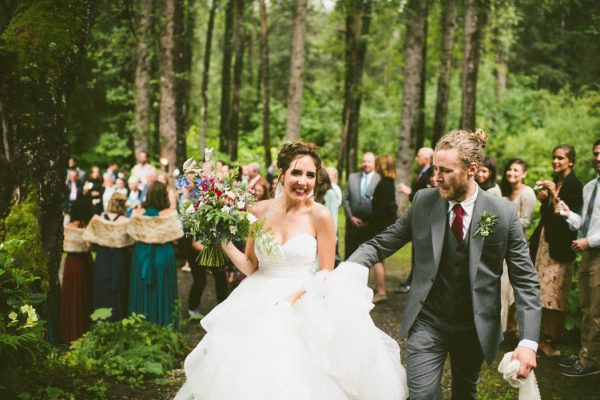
[290, 151]
[470, 145]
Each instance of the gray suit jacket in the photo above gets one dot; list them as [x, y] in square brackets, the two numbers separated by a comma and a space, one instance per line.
[424, 224]
[353, 203]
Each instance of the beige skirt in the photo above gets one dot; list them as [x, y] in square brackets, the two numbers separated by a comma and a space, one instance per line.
[555, 277]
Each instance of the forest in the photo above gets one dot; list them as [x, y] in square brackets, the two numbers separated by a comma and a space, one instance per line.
[100, 81]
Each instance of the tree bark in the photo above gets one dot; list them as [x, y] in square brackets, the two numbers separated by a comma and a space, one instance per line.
[34, 145]
[142, 79]
[226, 77]
[205, 75]
[234, 118]
[264, 79]
[411, 92]
[358, 19]
[443, 87]
[168, 98]
[184, 38]
[420, 135]
[296, 83]
[475, 20]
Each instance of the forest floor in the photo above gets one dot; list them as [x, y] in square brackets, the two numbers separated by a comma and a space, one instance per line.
[387, 316]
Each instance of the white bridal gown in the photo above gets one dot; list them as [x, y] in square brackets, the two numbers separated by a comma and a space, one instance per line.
[325, 346]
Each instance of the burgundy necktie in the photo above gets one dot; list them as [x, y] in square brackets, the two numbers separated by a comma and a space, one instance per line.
[457, 223]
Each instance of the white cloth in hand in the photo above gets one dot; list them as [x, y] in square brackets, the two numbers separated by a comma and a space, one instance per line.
[528, 388]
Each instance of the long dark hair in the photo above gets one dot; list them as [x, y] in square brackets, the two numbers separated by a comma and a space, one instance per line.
[157, 196]
[505, 186]
[490, 164]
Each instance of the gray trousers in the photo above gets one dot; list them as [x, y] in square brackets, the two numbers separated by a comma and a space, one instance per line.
[428, 345]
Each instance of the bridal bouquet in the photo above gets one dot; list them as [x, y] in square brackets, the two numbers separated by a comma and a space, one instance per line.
[216, 211]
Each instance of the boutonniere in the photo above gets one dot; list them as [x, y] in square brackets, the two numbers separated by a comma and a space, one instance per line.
[487, 223]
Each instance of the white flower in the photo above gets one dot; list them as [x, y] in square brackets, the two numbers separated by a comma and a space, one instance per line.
[233, 229]
[190, 209]
[189, 163]
[230, 194]
[241, 205]
[208, 153]
[251, 218]
[225, 209]
[12, 316]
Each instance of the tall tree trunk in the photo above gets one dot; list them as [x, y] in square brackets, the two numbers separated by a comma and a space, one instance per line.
[296, 83]
[264, 79]
[226, 77]
[234, 118]
[142, 79]
[420, 136]
[411, 91]
[32, 110]
[443, 88]
[505, 18]
[475, 20]
[358, 19]
[168, 98]
[205, 75]
[184, 35]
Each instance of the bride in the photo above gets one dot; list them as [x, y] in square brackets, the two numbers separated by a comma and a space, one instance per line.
[295, 328]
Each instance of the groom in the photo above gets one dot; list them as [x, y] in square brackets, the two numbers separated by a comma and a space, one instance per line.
[461, 236]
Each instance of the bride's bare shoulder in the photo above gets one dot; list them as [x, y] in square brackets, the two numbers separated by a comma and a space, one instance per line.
[260, 208]
[319, 212]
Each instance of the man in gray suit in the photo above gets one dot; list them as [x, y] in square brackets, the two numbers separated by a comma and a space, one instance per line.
[460, 237]
[356, 201]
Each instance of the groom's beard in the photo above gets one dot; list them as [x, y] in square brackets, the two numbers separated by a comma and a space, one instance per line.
[457, 189]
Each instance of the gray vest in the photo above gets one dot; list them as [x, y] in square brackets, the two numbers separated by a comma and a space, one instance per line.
[449, 300]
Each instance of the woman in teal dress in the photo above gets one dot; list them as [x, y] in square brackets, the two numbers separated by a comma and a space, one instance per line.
[153, 281]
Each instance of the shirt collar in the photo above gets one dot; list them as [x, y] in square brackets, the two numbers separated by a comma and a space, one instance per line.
[467, 204]
[370, 174]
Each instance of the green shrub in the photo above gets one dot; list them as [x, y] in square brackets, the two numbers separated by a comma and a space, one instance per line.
[128, 350]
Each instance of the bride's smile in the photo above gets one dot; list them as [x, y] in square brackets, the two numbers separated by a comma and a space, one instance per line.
[300, 179]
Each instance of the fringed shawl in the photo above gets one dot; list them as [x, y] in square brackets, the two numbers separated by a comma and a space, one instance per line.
[160, 229]
[108, 233]
[74, 242]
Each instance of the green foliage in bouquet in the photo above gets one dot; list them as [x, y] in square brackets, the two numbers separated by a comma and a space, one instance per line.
[129, 350]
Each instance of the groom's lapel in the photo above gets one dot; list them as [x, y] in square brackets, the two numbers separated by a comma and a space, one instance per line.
[476, 241]
[439, 213]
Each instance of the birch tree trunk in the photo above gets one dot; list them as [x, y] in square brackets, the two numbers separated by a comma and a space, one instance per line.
[142, 79]
[475, 20]
[264, 79]
[296, 83]
[205, 75]
[411, 92]
[443, 87]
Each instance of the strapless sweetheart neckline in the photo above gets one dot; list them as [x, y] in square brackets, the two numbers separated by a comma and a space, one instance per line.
[282, 245]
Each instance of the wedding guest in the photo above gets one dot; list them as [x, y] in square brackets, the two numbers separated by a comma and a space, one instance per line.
[356, 201]
[587, 362]
[134, 199]
[163, 177]
[74, 189]
[151, 176]
[76, 290]
[94, 189]
[326, 196]
[261, 191]
[109, 233]
[109, 188]
[515, 190]
[486, 177]
[121, 187]
[423, 180]
[384, 214]
[254, 177]
[333, 178]
[72, 166]
[153, 278]
[551, 246]
[142, 169]
[113, 169]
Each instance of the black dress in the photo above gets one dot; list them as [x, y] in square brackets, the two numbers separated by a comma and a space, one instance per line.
[384, 206]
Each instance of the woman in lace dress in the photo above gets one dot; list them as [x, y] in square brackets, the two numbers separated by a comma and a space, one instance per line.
[294, 328]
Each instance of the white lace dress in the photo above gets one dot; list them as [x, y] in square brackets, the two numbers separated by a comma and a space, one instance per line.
[324, 346]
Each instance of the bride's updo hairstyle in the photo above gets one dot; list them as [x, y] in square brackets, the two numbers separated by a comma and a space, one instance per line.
[289, 152]
[470, 145]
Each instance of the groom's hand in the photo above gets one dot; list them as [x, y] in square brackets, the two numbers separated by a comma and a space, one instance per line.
[527, 358]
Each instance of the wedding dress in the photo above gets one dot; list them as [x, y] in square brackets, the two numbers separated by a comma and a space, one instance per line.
[323, 347]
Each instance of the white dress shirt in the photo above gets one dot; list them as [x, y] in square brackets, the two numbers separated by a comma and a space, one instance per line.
[575, 220]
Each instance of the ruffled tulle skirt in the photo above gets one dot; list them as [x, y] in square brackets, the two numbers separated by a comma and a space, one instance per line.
[324, 346]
